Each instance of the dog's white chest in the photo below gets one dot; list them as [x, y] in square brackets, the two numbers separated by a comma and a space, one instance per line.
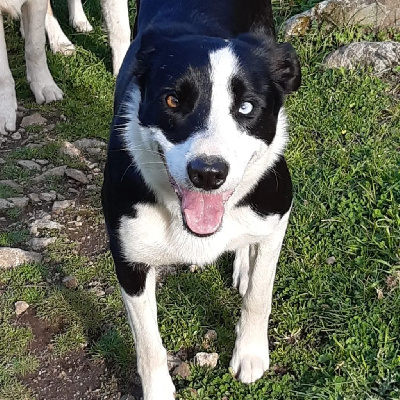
[156, 238]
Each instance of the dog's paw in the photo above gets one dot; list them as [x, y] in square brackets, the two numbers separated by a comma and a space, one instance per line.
[65, 47]
[81, 25]
[241, 268]
[250, 358]
[46, 92]
[159, 388]
[8, 107]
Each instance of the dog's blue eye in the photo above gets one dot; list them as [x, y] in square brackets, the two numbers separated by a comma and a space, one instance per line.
[246, 108]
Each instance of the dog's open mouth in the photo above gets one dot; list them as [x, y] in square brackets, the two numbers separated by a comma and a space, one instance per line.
[202, 211]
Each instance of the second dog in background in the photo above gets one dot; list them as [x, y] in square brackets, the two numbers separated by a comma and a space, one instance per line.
[116, 18]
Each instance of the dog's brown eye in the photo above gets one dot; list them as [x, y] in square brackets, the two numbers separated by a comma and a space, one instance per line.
[172, 101]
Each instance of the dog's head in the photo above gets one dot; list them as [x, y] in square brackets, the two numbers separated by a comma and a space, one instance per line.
[209, 119]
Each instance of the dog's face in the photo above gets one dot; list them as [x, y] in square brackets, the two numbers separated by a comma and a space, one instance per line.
[209, 109]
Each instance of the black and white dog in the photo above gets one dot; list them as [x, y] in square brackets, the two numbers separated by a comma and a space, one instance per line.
[195, 165]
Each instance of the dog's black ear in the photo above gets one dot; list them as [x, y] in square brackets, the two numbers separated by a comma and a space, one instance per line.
[285, 68]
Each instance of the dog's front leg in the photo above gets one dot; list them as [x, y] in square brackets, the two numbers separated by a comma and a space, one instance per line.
[8, 101]
[251, 353]
[37, 71]
[138, 292]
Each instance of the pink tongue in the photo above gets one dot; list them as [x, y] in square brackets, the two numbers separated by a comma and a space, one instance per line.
[203, 211]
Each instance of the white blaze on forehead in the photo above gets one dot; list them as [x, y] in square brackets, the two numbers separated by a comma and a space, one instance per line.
[224, 65]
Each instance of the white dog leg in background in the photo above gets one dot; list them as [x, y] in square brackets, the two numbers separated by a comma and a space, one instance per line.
[8, 100]
[241, 267]
[251, 354]
[77, 17]
[37, 71]
[151, 355]
[116, 16]
[59, 43]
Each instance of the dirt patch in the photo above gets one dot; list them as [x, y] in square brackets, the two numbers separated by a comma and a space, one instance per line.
[73, 376]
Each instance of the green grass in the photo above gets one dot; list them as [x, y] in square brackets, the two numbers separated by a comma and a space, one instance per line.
[330, 333]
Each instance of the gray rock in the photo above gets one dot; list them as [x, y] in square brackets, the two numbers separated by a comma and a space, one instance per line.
[98, 291]
[19, 202]
[20, 307]
[12, 184]
[331, 260]
[29, 164]
[48, 196]
[2, 161]
[84, 144]
[127, 397]
[16, 136]
[206, 359]
[381, 56]
[70, 150]
[11, 257]
[70, 282]
[378, 14]
[62, 205]
[56, 171]
[77, 175]
[34, 198]
[34, 119]
[211, 336]
[182, 370]
[173, 361]
[42, 162]
[38, 244]
[4, 204]
[44, 223]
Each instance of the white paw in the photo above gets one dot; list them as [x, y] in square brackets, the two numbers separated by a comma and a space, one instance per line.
[46, 92]
[241, 269]
[63, 47]
[81, 25]
[250, 358]
[8, 106]
[159, 388]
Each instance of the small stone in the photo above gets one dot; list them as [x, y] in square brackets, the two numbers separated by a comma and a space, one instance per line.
[91, 187]
[29, 164]
[73, 191]
[21, 307]
[38, 244]
[70, 150]
[61, 197]
[127, 397]
[98, 291]
[182, 370]
[62, 205]
[44, 223]
[211, 336]
[173, 361]
[379, 294]
[2, 161]
[13, 257]
[19, 202]
[84, 144]
[42, 162]
[50, 127]
[77, 175]
[16, 136]
[70, 282]
[57, 171]
[12, 185]
[110, 290]
[331, 260]
[48, 196]
[206, 359]
[4, 204]
[34, 119]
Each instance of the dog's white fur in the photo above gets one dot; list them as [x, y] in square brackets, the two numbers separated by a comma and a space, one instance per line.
[117, 24]
[41, 82]
[257, 241]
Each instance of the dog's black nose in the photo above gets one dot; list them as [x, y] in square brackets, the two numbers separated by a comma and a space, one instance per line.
[208, 173]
